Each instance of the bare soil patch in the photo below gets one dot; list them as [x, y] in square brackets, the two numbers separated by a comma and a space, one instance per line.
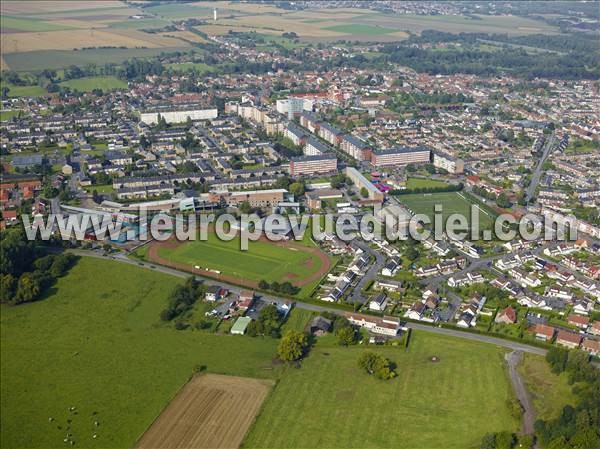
[211, 411]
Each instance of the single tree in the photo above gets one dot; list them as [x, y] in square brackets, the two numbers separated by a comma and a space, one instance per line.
[292, 346]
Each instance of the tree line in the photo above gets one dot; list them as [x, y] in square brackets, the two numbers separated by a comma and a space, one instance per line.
[449, 188]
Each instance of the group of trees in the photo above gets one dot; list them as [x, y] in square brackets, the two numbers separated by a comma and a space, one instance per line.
[567, 63]
[27, 270]
[377, 365]
[506, 440]
[268, 323]
[340, 180]
[293, 346]
[182, 299]
[285, 288]
[449, 188]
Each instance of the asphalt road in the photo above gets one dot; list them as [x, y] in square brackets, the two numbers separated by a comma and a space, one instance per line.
[535, 178]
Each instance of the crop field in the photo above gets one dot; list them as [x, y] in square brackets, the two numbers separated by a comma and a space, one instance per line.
[98, 340]
[87, 84]
[452, 203]
[356, 24]
[371, 30]
[185, 36]
[210, 411]
[295, 262]
[58, 59]
[72, 39]
[34, 26]
[330, 402]
[16, 24]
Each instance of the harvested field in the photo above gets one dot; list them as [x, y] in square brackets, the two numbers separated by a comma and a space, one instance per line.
[211, 411]
[68, 40]
[54, 7]
[186, 36]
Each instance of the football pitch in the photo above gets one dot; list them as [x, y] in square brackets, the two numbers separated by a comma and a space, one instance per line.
[451, 202]
[298, 263]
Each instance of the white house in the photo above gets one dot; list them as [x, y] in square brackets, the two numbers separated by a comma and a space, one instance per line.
[391, 267]
[378, 303]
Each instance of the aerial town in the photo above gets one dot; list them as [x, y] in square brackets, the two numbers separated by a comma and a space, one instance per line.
[245, 122]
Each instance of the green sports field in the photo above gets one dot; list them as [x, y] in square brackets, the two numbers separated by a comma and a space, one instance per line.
[89, 83]
[262, 260]
[96, 343]
[329, 402]
[199, 67]
[452, 203]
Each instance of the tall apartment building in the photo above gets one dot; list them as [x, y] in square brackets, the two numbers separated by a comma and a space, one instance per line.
[311, 165]
[310, 122]
[179, 115]
[296, 134]
[355, 147]
[330, 134]
[314, 147]
[400, 156]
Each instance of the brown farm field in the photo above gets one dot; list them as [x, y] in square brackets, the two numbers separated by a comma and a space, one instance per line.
[210, 411]
[70, 39]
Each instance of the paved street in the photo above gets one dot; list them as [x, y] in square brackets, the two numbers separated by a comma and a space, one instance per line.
[535, 178]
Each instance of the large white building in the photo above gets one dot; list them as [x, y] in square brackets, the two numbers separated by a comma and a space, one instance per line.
[450, 164]
[178, 115]
[293, 106]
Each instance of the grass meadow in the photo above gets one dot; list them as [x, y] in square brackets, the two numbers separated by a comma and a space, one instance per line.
[96, 343]
[89, 83]
[329, 402]
[24, 91]
[549, 392]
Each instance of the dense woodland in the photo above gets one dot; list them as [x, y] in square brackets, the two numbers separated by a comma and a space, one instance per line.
[27, 268]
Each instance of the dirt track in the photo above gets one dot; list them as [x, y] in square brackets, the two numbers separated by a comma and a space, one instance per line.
[153, 256]
[211, 411]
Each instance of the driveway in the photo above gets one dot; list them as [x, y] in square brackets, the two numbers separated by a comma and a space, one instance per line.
[513, 359]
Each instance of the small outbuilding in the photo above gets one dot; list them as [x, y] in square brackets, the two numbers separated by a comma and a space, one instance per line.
[319, 326]
[240, 326]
